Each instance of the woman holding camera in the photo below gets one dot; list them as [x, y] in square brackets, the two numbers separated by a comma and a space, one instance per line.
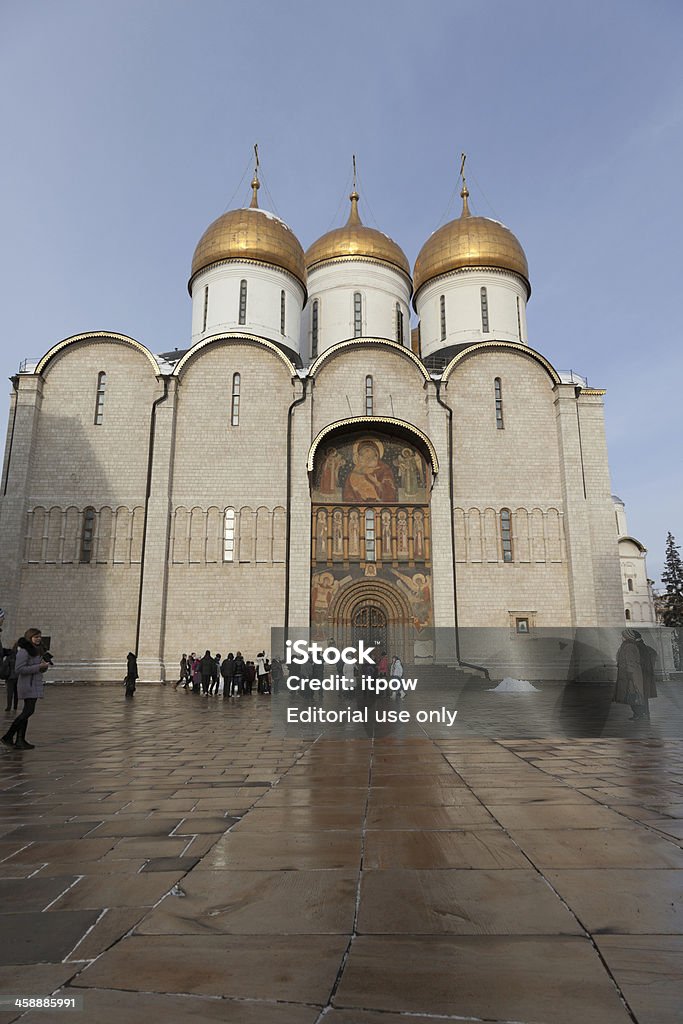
[28, 668]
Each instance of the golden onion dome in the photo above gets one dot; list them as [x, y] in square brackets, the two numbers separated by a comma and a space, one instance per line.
[469, 242]
[250, 235]
[356, 241]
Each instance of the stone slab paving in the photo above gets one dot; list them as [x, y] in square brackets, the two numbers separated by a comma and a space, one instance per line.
[174, 859]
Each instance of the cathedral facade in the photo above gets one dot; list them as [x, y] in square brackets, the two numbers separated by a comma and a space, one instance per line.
[309, 461]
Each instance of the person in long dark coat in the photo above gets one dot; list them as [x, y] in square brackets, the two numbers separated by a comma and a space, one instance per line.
[227, 671]
[207, 669]
[635, 674]
[183, 671]
[239, 675]
[131, 673]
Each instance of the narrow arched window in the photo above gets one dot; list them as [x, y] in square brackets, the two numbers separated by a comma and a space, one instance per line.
[519, 320]
[229, 535]
[87, 531]
[506, 534]
[443, 317]
[484, 311]
[628, 613]
[399, 324]
[243, 302]
[498, 392]
[369, 535]
[235, 413]
[315, 319]
[357, 314]
[283, 301]
[99, 399]
[206, 307]
[368, 397]
[630, 584]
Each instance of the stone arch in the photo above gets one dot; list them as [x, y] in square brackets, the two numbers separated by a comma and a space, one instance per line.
[382, 424]
[375, 593]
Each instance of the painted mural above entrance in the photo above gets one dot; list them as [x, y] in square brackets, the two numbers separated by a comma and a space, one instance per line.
[365, 468]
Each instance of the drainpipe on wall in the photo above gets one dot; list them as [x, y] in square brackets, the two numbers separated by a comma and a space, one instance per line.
[150, 464]
[288, 530]
[449, 413]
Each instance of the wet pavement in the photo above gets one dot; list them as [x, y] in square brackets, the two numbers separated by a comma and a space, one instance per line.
[172, 859]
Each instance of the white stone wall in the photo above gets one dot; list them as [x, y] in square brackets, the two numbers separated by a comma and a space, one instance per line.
[210, 602]
[333, 285]
[61, 463]
[399, 387]
[638, 602]
[462, 295]
[516, 468]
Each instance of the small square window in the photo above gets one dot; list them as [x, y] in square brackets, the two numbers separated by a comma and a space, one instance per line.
[522, 625]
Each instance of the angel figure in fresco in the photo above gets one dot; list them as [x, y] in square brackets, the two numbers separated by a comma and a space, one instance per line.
[371, 479]
[323, 590]
[418, 592]
[329, 473]
[409, 472]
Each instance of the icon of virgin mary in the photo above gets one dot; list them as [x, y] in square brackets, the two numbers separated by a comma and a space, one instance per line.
[371, 479]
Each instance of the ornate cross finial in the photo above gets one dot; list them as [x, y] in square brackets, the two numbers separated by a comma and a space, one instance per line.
[464, 193]
[354, 217]
[255, 183]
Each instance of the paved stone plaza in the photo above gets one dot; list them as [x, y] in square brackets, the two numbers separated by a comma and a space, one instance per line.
[171, 859]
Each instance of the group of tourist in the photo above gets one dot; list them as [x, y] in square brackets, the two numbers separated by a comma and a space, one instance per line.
[204, 675]
[23, 665]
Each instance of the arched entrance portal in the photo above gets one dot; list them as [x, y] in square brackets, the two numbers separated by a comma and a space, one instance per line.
[371, 538]
[375, 612]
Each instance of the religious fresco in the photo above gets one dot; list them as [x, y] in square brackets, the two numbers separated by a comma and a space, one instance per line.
[415, 586]
[364, 468]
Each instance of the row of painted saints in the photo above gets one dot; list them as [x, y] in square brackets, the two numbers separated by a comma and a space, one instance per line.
[370, 470]
[383, 530]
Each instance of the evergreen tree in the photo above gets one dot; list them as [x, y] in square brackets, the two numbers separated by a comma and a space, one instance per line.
[672, 598]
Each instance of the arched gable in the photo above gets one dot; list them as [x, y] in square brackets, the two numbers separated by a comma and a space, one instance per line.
[90, 336]
[509, 346]
[233, 336]
[352, 343]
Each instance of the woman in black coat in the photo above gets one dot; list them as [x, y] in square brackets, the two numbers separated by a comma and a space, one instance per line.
[131, 673]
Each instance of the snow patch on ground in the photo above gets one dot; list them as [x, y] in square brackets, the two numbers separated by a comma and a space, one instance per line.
[509, 685]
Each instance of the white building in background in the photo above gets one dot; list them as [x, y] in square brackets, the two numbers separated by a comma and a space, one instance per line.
[309, 461]
[639, 606]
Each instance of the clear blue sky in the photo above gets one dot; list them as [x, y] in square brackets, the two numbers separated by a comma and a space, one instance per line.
[128, 125]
